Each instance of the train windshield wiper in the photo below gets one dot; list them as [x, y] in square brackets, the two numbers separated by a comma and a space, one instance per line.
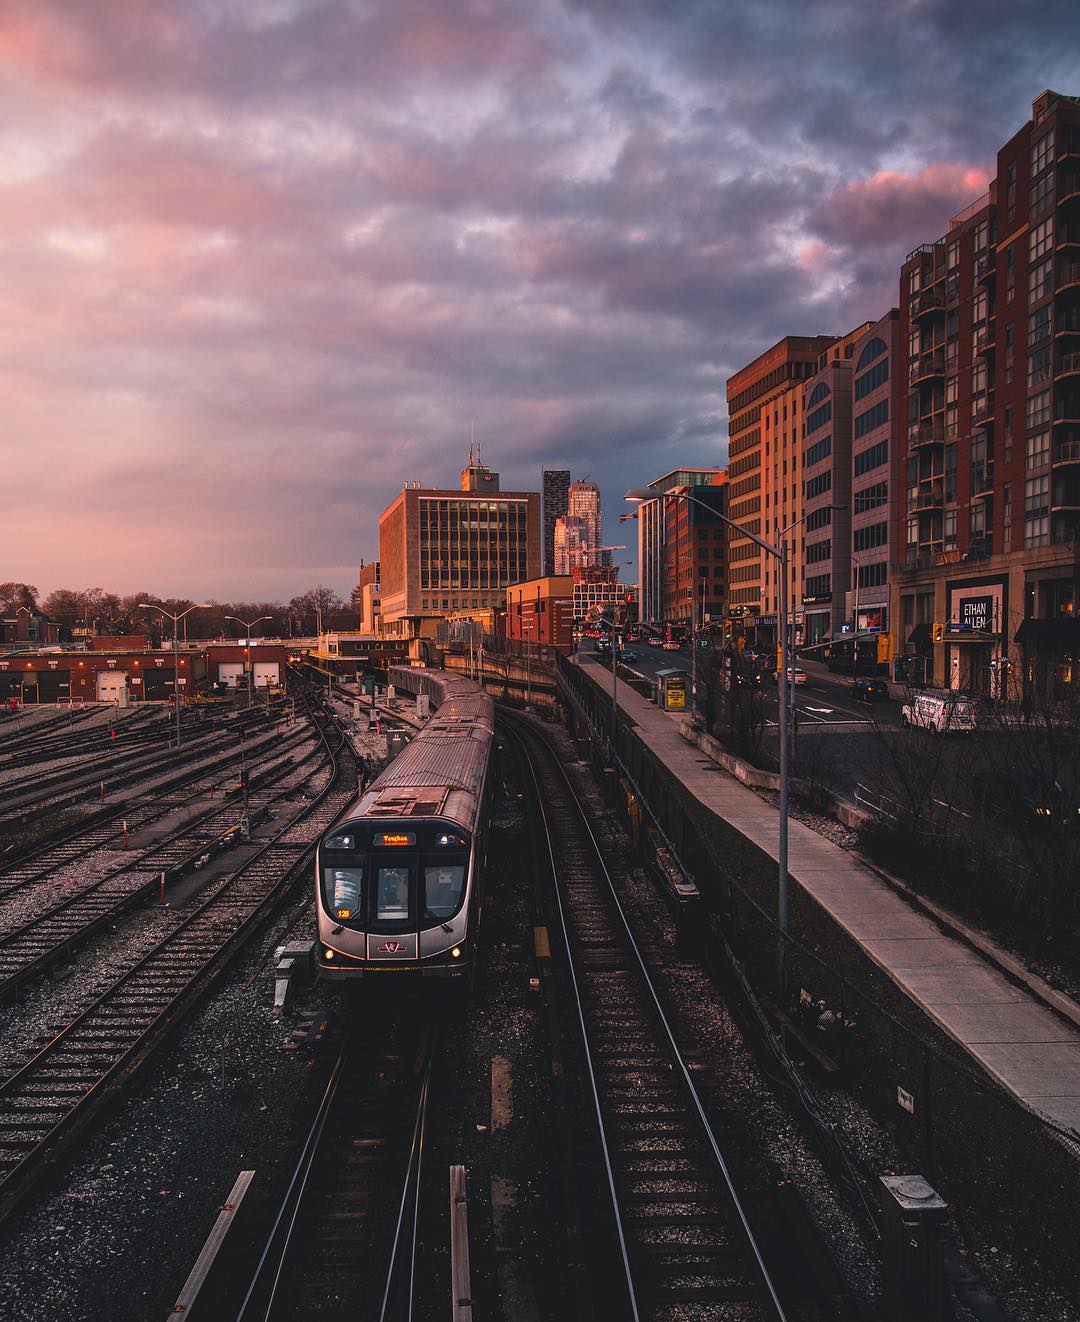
[436, 919]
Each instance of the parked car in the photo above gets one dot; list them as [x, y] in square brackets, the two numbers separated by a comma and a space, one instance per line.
[869, 690]
[939, 713]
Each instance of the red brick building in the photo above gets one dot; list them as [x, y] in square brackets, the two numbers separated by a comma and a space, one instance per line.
[989, 435]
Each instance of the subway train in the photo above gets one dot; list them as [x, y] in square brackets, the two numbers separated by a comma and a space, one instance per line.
[398, 879]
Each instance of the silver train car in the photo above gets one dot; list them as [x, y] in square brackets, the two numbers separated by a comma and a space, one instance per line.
[398, 878]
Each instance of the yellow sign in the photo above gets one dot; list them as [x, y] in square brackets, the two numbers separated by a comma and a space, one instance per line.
[676, 698]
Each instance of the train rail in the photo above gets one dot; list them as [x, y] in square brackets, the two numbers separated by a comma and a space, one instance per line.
[100, 830]
[344, 1241]
[684, 1239]
[48, 1102]
[51, 935]
[79, 739]
[120, 766]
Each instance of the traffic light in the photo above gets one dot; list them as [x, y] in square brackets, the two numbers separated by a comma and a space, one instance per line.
[939, 633]
[884, 648]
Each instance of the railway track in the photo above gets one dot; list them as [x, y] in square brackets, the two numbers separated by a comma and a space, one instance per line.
[685, 1244]
[76, 739]
[52, 1099]
[119, 768]
[51, 935]
[344, 1241]
[101, 831]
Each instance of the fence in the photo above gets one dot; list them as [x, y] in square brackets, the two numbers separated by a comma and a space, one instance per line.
[973, 1140]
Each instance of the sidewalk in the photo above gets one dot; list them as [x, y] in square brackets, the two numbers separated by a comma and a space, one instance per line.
[1010, 1033]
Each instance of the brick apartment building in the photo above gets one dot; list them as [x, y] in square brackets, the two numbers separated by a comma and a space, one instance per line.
[989, 434]
[695, 553]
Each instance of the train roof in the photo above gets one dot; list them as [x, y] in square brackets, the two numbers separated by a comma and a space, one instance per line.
[440, 772]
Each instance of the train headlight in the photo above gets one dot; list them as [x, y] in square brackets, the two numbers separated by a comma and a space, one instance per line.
[456, 952]
[329, 954]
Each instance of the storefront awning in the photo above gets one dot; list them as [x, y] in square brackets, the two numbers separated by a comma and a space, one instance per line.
[1057, 635]
[920, 636]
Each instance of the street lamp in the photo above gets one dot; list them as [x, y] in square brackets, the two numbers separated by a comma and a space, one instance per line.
[781, 554]
[153, 606]
[250, 662]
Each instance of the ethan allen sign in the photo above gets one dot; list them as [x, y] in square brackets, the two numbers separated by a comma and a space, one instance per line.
[977, 614]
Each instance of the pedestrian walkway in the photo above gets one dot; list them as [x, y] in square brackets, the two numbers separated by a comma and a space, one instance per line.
[1005, 1028]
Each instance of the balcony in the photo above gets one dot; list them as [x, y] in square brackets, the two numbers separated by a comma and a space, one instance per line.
[1068, 186]
[926, 433]
[1067, 236]
[1068, 275]
[1067, 323]
[982, 412]
[1067, 365]
[929, 303]
[985, 266]
[1066, 452]
[982, 480]
[931, 494]
[927, 366]
[1067, 410]
[985, 340]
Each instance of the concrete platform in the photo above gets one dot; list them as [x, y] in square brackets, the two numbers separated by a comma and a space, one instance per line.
[1006, 1029]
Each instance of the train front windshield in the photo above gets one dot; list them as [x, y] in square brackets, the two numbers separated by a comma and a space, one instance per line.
[377, 879]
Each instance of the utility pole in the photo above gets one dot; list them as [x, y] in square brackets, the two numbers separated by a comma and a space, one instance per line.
[204, 605]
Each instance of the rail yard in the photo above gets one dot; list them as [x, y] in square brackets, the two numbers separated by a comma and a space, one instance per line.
[240, 1076]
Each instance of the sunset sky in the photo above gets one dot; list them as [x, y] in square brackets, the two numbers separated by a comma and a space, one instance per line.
[265, 260]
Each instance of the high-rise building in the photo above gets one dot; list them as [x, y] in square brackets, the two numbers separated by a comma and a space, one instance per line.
[875, 406]
[571, 543]
[444, 551]
[654, 601]
[695, 553]
[770, 380]
[987, 588]
[555, 492]
[583, 502]
[825, 530]
[367, 597]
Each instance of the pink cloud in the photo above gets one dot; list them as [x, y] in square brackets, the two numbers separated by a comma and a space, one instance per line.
[894, 206]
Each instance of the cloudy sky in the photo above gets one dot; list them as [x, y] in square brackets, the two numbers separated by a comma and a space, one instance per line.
[262, 261]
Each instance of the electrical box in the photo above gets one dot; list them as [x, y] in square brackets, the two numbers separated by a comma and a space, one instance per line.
[914, 1221]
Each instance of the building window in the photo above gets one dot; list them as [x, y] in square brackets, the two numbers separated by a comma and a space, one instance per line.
[1041, 280]
[1037, 496]
[1042, 153]
[1039, 366]
[874, 534]
[817, 485]
[979, 236]
[819, 518]
[873, 417]
[1038, 409]
[1041, 240]
[1041, 195]
[873, 576]
[871, 353]
[1010, 273]
[977, 519]
[952, 255]
[870, 498]
[820, 585]
[1037, 451]
[950, 472]
[818, 551]
[818, 451]
[1037, 531]
[877, 376]
[872, 458]
[819, 417]
[949, 526]
[1039, 325]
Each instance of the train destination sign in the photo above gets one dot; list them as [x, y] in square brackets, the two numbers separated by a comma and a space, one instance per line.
[390, 840]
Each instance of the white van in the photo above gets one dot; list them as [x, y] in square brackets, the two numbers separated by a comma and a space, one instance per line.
[938, 713]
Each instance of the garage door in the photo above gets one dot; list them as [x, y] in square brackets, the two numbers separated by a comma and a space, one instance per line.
[266, 672]
[229, 672]
[112, 686]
